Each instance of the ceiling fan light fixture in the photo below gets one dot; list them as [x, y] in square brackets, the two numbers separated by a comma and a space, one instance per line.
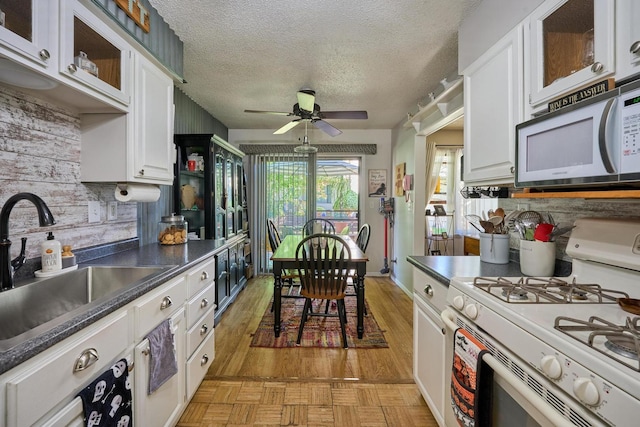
[305, 148]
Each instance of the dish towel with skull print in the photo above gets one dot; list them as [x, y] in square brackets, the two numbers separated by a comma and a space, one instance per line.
[107, 400]
[471, 381]
[163, 364]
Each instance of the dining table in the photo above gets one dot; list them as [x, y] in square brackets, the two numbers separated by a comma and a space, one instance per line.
[284, 258]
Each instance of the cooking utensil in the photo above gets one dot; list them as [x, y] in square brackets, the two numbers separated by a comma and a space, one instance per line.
[559, 231]
[543, 231]
[630, 305]
[497, 222]
[528, 221]
[474, 220]
[488, 226]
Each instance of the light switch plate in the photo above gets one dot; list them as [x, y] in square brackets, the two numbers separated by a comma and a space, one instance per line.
[112, 211]
[94, 211]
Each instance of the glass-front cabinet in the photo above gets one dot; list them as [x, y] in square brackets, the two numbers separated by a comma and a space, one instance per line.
[572, 45]
[27, 31]
[205, 188]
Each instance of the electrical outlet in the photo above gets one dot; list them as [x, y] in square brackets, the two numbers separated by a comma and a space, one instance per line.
[523, 206]
[94, 211]
[112, 211]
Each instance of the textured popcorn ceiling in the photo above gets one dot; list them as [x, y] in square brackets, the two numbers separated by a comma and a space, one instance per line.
[383, 56]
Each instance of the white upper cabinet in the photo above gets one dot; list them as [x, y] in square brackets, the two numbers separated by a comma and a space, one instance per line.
[493, 105]
[93, 58]
[153, 107]
[28, 35]
[627, 38]
[571, 44]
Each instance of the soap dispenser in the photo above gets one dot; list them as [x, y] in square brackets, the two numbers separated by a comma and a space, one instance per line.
[51, 254]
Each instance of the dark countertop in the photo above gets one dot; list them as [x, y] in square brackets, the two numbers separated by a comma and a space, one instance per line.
[443, 268]
[181, 257]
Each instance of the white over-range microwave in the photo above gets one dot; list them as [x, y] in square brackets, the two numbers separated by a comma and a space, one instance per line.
[594, 142]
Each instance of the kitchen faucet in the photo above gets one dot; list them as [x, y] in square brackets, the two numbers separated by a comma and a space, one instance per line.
[8, 267]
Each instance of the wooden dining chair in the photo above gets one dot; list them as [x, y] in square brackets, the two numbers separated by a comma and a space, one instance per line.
[362, 240]
[322, 268]
[288, 276]
[326, 226]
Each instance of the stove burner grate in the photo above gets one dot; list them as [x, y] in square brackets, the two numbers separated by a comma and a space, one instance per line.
[623, 340]
[552, 290]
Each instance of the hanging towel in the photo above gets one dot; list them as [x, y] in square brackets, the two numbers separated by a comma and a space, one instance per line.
[107, 400]
[471, 382]
[162, 351]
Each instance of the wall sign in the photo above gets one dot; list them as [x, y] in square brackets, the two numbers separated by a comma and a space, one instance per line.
[399, 179]
[137, 12]
[584, 93]
[377, 183]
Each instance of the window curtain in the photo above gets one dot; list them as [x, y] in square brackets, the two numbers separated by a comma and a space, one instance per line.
[279, 187]
[432, 172]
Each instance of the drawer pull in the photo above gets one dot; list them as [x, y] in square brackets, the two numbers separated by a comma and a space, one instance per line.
[204, 329]
[428, 290]
[635, 47]
[86, 359]
[204, 303]
[166, 303]
[204, 360]
[204, 276]
[146, 351]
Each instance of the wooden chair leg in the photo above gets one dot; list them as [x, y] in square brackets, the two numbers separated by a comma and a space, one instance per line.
[305, 310]
[342, 315]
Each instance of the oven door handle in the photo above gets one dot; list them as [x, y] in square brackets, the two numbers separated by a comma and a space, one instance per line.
[448, 317]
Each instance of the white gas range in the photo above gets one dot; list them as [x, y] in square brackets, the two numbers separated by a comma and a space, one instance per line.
[565, 343]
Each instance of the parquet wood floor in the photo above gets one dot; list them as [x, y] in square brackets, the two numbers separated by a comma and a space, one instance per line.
[248, 386]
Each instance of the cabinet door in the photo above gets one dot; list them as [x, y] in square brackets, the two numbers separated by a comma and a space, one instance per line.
[627, 38]
[153, 107]
[230, 191]
[222, 280]
[571, 45]
[28, 35]
[164, 406]
[429, 357]
[82, 31]
[220, 196]
[493, 106]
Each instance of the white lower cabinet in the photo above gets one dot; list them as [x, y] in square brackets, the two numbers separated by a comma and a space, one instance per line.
[55, 376]
[431, 372]
[164, 406]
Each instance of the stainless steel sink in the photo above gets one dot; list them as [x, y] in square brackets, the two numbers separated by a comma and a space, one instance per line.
[28, 310]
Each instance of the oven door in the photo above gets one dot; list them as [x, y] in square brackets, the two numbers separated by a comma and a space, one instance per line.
[514, 402]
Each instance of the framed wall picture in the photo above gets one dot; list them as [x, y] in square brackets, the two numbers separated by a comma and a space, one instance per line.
[439, 210]
[377, 184]
[399, 178]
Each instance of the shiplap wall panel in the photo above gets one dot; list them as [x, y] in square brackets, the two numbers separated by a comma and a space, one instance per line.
[40, 153]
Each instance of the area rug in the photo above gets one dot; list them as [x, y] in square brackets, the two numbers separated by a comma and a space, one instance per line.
[318, 331]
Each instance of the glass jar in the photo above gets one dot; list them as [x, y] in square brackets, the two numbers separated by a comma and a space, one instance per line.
[172, 230]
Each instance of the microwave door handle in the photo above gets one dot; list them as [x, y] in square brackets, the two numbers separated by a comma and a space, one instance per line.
[602, 136]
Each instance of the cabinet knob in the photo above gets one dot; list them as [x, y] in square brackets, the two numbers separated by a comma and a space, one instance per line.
[512, 169]
[204, 360]
[204, 276]
[428, 290]
[597, 67]
[141, 173]
[204, 303]
[86, 359]
[635, 47]
[204, 329]
[166, 303]
[72, 68]
[44, 54]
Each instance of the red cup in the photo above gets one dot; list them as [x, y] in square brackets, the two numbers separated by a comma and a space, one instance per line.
[191, 165]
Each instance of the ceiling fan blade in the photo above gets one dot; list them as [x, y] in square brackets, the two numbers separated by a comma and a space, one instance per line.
[326, 128]
[277, 113]
[287, 127]
[306, 99]
[343, 115]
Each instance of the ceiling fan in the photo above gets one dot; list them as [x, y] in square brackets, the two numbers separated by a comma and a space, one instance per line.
[308, 111]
